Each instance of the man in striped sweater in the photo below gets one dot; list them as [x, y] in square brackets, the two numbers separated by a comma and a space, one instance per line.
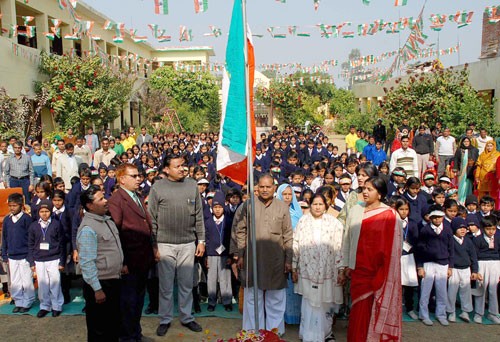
[405, 157]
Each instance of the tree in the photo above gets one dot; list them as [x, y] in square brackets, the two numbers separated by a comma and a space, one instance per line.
[81, 91]
[297, 99]
[439, 95]
[154, 102]
[343, 107]
[20, 119]
[195, 96]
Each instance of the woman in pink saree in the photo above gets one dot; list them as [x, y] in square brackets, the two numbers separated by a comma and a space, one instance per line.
[371, 254]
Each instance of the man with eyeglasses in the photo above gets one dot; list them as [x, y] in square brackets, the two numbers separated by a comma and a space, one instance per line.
[177, 218]
[19, 171]
[139, 249]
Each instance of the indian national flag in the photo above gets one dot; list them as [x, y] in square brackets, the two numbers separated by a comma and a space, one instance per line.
[200, 6]
[161, 6]
[233, 140]
[400, 2]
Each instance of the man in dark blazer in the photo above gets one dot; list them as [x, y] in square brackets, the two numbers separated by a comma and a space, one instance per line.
[139, 249]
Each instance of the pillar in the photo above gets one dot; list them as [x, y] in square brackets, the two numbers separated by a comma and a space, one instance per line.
[8, 9]
[42, 25]
[68, 44]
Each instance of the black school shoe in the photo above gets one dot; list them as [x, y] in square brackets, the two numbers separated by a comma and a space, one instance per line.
[16, 309]
[228, 307]
[211, 308]
[193, 326]
[24, 310]
[56, 313]
[42, 313]
[162, 329]
[149, 310]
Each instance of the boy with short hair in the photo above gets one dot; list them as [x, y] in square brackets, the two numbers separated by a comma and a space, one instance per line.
[47, 257]
[15, 251]
[434, 258]
[465, 269]
[471, 204]
[217, 240]
[486, 206]
[488, 255]
[438, 196]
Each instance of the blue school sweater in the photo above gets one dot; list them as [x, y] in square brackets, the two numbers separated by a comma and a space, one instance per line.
[465, 255]
[15, 238]
[54, 236]
[410, 235]
[434, 248]
[214, 233]
[483, 250]
[418, 207]
[64, 220]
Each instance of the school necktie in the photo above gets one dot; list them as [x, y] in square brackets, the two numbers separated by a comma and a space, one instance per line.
[491, 243]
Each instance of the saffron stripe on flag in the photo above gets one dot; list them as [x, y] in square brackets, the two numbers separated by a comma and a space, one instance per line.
[233, 149]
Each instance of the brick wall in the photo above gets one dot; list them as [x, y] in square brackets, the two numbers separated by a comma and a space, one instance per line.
[491, 39]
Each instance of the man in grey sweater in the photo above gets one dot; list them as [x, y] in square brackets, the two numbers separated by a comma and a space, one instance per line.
[177, 219]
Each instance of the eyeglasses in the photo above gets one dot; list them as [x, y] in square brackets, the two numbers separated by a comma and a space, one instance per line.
[134, 176]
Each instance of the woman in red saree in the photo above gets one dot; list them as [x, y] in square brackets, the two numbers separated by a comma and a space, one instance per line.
[371, 254]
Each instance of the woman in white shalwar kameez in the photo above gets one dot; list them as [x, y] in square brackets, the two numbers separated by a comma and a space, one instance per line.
[317, 245]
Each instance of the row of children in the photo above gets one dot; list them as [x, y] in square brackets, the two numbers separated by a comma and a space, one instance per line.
[453, 249]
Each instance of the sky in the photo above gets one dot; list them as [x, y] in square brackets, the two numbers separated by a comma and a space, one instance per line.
[308, 51]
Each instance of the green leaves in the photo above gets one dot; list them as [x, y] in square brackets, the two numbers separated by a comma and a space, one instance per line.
[195, 95]
[441, 95]
[81, 91]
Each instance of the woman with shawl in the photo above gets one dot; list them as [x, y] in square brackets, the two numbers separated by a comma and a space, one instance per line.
[293, 300]
[317, 243]
[371, 258]
[485, 175]
[464, 161]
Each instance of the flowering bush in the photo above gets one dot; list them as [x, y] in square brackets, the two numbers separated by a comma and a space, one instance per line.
[82, 91]
[439, 95]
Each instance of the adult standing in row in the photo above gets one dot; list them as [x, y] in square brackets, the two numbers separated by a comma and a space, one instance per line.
[19, 171]
[134, 224]
[104, 155]
[371, 253]
[463, 165]
[380, 132]
[317, 245]
[423, 144]
[292, 312]
[177, 219]
[144, 137]
[274, 239]
[405, 157]
[101, 261]
[92, 140]
[485, 174]
[445, 150]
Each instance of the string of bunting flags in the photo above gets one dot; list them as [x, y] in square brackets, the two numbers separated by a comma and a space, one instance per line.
[345, 29]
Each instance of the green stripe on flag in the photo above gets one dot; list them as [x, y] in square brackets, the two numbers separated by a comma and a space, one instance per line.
[235, 123]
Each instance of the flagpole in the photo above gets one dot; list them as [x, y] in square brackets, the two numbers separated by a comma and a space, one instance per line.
[250, 185]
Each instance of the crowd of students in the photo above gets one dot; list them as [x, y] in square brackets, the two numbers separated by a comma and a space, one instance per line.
[451, 243]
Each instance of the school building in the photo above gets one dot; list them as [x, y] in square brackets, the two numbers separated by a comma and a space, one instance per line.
[24, 24]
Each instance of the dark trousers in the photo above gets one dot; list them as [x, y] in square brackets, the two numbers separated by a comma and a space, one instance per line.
[153, 287]
[103, 320]
[131, 303]
[22, 183]
[408, 297]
